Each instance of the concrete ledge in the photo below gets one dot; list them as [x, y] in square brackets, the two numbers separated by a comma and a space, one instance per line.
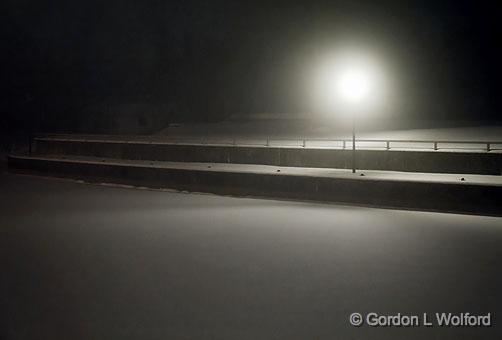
[456, 197]
[394, 160]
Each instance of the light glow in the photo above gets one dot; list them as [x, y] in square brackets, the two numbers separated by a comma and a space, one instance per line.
[348, 83]
[353, 85]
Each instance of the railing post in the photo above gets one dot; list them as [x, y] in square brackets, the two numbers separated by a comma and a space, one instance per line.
[435, 145]
[488, 147]
[268, 141]
[388, 145]
[304, 142]
[343, 144]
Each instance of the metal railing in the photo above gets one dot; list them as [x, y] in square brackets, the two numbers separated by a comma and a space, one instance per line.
[337, 143]
[386, 144]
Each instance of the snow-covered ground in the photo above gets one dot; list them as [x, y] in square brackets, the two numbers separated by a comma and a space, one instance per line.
[297, 133]
[92, 262]
[291, 129]
[479, 133]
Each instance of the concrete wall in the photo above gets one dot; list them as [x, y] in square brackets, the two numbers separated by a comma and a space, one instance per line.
[417, 161]
[436, 196]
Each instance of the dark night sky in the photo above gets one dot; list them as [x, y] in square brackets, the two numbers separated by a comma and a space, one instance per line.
[209, 59]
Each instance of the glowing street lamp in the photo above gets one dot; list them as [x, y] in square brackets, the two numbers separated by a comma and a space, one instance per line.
[349, 82]
[353, 85]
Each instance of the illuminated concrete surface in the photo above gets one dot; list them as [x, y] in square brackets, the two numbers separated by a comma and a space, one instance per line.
[92, 262]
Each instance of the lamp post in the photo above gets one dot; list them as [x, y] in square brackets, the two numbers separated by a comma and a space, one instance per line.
[351, 82]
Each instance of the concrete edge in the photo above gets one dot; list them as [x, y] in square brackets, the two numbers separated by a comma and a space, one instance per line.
[429, 196]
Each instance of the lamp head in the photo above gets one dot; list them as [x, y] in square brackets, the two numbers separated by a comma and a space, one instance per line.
[348, 83]
[352, 85]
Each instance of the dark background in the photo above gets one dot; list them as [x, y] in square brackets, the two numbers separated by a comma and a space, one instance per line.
[87, 66]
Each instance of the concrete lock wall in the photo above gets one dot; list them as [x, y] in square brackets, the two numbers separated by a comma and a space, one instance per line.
[436, 196]
[416, 161]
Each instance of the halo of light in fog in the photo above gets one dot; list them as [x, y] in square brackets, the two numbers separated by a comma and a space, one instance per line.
[346, 82]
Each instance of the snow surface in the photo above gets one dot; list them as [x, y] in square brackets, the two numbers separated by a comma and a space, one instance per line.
[292, 133]
[91, 262]
[296, 134]
[291, 129]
